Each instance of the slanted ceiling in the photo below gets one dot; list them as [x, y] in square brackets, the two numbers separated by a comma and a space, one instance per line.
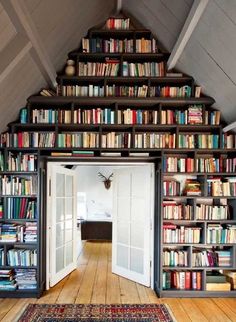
[39, 33]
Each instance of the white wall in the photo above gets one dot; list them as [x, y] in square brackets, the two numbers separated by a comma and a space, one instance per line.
[98, 198]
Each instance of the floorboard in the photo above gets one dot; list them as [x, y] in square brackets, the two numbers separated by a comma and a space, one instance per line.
[94, 282]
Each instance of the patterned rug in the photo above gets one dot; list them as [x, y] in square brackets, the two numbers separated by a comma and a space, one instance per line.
[92, 313]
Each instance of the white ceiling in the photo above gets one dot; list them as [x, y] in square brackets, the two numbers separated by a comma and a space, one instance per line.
[36, 36]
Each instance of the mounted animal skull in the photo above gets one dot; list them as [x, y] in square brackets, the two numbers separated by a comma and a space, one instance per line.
[106, 181]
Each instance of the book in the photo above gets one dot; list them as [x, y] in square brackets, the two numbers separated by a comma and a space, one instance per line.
[226, 286]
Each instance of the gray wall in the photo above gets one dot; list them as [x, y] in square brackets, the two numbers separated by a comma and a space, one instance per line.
[60, 25]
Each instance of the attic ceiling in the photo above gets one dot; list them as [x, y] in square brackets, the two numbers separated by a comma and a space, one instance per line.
[36, 36]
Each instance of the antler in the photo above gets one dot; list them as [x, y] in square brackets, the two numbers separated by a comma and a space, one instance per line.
[101, 175]
[111, 175]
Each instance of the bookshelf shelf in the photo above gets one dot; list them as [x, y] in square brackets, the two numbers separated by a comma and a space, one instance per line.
[185, 128]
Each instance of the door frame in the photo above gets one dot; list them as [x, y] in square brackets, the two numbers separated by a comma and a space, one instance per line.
[51, 163]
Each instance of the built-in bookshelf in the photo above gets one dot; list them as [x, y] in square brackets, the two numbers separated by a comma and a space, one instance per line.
[20, 233]
[121, 102]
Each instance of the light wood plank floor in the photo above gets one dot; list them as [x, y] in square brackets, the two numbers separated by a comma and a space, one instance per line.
[93, 282]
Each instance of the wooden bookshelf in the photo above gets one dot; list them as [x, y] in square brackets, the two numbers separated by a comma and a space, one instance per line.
[167, 118]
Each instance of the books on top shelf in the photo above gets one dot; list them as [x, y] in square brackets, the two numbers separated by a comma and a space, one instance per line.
[47, 92]
[146, 45]
[118, 23]
[185, 280]
[81, 90]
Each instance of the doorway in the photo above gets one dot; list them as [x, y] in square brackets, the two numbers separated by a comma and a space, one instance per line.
[130, 209]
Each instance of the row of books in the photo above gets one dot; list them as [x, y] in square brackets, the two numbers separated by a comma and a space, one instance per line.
[217, 186]
[203, 165]
[221, 164]
[51, 116]
[22, 257]
[171, 187]
[175, 257]
[62, 116]
[30, 233]
[18, 232]
[82, 140]
[18, 186]
[210, 212]
[126, 91]
[109, 68]
[94, 116]
[130, 116]
[146, 69]
[47, 139]
[21, 208]
[99, 45]
[200, 141]
[176, 164]
[211, 258]
[116, 140]
[182, 280]
[218, 234]
[123, 91]
[192, 115]
[21, 162]
[81, 90]
[181, 234]
[154, 140]
[33, 139]
[182, 117]
[229, 141]
[173, 210]
[118, 23]
[170, 91]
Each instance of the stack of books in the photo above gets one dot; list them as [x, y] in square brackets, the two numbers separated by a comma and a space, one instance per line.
[231, 278]
[11, 233]
[215, 281]
[30, 235]
[7, 281]
[26, 278]
[192, 188]
[195, 114]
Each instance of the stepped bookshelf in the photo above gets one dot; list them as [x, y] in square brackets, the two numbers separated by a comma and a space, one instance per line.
[121, 103]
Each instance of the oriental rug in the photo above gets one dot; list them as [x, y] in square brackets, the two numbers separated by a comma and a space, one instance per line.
[96, 312]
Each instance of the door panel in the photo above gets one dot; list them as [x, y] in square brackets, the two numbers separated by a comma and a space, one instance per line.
[131, 223]
[63, 223]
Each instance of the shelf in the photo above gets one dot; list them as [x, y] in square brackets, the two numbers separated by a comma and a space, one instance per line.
[192, 293]
[17, 173]
[17, 220]
[21, 267]
[133, 56]
[124, 79]
[19, 243]
[21, 293]
[17, 196]
[178, 221]
[122, 100]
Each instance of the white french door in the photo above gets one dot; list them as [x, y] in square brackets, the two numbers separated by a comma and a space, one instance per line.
[62, 223]
[131, 232]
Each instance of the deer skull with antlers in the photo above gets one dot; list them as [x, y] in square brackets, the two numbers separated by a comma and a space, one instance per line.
[106, 181]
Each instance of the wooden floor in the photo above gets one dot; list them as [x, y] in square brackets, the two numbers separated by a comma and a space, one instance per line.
[93, 282]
